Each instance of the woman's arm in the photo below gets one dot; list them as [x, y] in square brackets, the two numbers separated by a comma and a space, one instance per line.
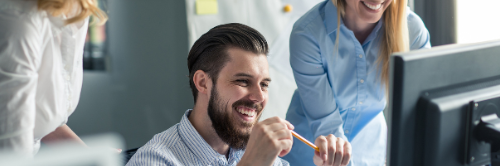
[418, 33]
[320, 107]
[20, 54]
[62, 133]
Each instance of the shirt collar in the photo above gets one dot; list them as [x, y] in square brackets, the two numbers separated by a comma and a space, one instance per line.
[199, 146]
[57, 22]
[59, 25]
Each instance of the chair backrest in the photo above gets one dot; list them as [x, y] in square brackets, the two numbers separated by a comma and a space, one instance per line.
[128, 154]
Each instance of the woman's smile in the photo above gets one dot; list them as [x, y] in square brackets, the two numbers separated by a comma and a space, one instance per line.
[372, 6]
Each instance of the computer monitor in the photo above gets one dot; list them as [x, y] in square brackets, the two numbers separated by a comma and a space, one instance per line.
[444, 105]
[100, 152]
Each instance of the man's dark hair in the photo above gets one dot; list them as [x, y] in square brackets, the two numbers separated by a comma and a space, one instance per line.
[209, 52]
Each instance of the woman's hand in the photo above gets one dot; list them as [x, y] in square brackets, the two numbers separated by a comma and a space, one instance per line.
[62, 133]
[332, 151]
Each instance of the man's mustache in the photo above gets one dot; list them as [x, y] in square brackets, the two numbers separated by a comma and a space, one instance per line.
[249, 104]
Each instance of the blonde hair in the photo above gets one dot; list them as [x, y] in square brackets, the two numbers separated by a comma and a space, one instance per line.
[395, 33]
[85, 9]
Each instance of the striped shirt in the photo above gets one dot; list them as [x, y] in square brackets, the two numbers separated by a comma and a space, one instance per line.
[182, 145]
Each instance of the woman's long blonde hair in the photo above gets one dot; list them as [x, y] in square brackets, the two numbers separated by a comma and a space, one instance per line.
[85, 9]
[395, 33]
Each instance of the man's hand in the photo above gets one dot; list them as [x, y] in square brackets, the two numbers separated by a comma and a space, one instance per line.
[268, 139]
[332, 151]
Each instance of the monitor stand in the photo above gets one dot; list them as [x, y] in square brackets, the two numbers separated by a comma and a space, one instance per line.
[488, 130]
[495, 158]
[482, 131]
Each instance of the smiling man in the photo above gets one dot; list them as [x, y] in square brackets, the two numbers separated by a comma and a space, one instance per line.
[229, 77]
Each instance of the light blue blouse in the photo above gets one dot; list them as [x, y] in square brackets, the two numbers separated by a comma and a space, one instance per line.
[340, 94]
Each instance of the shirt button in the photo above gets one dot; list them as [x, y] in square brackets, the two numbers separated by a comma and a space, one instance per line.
[360, 55]
[354, 109]
[360, 102]
[362, 81]
[346, 131]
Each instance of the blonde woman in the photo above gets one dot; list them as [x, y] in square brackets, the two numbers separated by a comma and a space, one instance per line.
[41, 47]
[339, 53]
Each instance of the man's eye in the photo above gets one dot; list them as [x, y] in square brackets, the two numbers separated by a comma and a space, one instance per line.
[264, 85]
[242, 82]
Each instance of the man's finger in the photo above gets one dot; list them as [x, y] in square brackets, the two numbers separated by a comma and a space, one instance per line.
[277, 126]
[271, 120]
[286, 146]
[289, 125]
[283, 134]
[276, 119]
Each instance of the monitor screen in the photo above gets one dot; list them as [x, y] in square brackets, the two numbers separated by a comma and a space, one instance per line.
[444, 105]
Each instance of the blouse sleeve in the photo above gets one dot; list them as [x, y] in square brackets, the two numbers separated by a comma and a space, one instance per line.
[20, 51]
[319, 105]
[418, 33]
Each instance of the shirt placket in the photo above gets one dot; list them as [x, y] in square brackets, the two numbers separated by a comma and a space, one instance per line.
[362, 75]
[360, 90]
[67, 59]
[221, 160]
[233, 157]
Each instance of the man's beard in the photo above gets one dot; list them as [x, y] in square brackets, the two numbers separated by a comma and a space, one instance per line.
[225, 126]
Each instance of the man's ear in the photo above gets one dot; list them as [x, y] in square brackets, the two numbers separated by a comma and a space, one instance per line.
[202, 82]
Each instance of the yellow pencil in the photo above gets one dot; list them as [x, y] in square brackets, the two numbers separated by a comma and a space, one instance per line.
[305, 141]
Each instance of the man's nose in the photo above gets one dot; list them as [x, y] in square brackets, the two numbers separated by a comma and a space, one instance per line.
[257, 94]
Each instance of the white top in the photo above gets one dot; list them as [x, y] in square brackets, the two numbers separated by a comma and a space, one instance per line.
[40, 73]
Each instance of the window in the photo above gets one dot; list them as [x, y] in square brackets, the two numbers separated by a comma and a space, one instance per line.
[477, 21]
[94, 56]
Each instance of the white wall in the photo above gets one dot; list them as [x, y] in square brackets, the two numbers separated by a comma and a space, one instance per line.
[269, 18]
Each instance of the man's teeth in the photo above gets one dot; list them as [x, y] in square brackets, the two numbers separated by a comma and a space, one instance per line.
[372, 6]
[248, 113]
